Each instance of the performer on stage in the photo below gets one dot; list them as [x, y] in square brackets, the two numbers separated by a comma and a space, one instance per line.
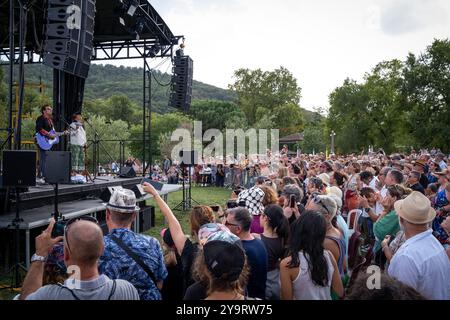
[44, 124]
[77, 142]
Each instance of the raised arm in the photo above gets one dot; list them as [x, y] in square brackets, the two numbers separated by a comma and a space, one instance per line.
[178, 236]
[33, 279]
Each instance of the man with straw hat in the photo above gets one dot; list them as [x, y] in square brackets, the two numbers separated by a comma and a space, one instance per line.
[130, 256]
[421, 262]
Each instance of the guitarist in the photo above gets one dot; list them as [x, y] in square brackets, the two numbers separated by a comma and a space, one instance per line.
[44, 124]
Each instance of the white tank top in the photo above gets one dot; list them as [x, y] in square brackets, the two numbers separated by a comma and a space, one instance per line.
[305, 288]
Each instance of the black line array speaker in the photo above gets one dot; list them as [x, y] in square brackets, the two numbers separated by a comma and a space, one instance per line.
[19, 168]
[69, 35]
[127, 172]
[181, 94]
[189, 157]
[57, 167]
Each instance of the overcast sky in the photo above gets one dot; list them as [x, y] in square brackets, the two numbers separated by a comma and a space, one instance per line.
[320, 41]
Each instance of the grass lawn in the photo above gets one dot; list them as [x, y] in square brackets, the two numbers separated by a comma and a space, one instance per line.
[203, 195]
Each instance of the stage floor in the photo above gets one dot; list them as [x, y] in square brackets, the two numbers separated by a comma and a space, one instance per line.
[39, 217]
[102, 182]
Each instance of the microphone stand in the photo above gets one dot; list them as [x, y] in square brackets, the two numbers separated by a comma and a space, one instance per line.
[96, 152]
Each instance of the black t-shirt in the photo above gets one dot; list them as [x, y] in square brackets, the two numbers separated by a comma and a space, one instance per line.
[172, 290]
[196, 291]
[418, 187]
[424, 181]
[188, 255]
[275, 251]
[43, 125]
[257, 259]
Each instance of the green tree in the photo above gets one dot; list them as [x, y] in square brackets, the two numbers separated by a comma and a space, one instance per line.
[313, 140]
[3, 107]
[107, 130]
[346, 117]
[214, 114]
[370, 113]
[161, 125]
[260, 92]
[427, 90]
[120, 107]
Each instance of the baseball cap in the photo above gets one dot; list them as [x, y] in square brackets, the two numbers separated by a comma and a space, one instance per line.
[223, 259]
[167, 237]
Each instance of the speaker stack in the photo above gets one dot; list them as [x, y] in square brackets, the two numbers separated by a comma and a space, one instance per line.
[181, 94]
[69, 35]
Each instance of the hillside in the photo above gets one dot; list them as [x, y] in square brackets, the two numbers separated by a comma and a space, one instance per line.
[106, 80]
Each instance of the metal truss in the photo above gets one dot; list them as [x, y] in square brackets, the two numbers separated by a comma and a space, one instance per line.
[111, 50]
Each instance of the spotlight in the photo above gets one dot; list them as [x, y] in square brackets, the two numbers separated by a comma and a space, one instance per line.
[138, 28]
[132, 6]
[154, 50]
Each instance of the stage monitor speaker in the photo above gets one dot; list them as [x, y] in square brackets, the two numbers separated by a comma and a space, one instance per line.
[127, 172]
[58, 167]
[138, 191]
[107, 193]
[189, 157]
[19, 168]
[69, 35]
[181, 93]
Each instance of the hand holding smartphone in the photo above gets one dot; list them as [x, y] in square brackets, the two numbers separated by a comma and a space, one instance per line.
[292, 202]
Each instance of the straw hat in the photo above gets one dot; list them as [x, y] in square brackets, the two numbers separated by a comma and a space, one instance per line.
[415, 208]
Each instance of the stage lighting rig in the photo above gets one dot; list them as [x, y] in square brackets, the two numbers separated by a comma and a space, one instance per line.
[125, 7]
[138, 27]
[154, 50]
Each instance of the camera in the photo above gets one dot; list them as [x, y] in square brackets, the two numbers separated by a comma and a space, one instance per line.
[292, 202]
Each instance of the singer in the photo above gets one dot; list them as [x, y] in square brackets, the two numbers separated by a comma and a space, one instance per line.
[77, 142]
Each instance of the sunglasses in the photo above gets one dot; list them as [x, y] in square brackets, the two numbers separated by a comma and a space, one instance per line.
[230, 224]
[72, 221]
[317, 200]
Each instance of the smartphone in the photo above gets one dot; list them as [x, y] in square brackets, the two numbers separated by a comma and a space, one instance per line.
[292, 202]
[157, 185]
[58, 228]
[231, 204]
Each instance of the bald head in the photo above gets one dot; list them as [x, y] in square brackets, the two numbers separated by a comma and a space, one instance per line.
[86, 243]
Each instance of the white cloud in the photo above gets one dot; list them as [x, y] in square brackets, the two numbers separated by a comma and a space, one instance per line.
[322, 42]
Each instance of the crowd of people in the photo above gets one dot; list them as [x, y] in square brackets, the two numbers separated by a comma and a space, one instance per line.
[300, 228]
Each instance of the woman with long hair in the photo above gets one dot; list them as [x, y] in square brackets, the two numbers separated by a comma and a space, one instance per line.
[387, 223]
[186, 248]
[309, 272]
[276, 239]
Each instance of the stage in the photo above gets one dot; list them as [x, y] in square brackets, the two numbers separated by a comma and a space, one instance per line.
[37, 207]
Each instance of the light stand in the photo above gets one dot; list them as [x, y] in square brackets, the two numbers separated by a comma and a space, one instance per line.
[186, 203]
[56, 214]
[95, 154]
[15, 269]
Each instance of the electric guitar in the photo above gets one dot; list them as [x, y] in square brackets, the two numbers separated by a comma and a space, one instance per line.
[46, 143]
